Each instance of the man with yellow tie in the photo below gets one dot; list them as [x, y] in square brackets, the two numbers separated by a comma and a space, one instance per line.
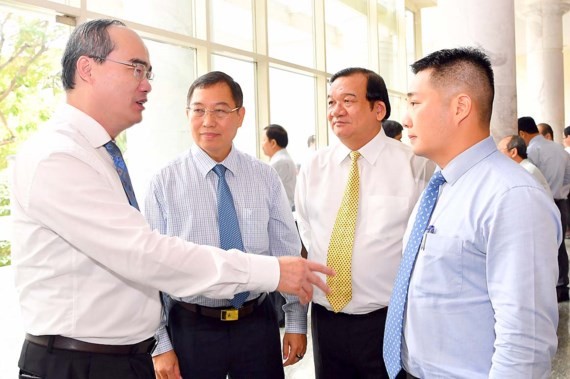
[356, 227]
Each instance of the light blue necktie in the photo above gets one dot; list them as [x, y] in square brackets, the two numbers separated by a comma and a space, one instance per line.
[395, 317]
[123, 172]
[230, 235]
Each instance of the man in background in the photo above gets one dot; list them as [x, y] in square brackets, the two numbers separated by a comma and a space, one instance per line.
[554, 163]
[514, 147]
[546, 131]
[356, 227]
[393, 129]
[274, 145]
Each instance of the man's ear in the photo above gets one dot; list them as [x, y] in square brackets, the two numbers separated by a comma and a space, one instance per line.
[83, 68]
[380, 109]
[514, 152]
[462, 104]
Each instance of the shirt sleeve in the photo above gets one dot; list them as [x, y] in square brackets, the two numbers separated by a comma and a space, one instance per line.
[522, 272]
[65, 190]
[301, 208]
[284, 240]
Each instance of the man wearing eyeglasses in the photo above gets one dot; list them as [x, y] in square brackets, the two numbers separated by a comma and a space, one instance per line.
[203, 339]
[88, 268]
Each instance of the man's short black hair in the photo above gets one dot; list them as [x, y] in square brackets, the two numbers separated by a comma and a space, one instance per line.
[376, 89]
[467, 67]
[527, 124]
[215, 77]
[278, 133]
[392, 128]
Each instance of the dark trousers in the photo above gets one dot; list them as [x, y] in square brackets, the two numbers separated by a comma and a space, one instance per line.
[278, 301]
[348, 346]
[209, 348]
[562, 205]
[41, 362]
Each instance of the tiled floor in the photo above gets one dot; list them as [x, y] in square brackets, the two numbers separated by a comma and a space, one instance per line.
[12, 333]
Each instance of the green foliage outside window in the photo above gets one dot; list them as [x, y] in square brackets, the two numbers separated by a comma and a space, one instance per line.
[30, 89]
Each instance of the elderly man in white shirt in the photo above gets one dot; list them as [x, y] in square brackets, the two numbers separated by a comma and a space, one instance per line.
[514, 147]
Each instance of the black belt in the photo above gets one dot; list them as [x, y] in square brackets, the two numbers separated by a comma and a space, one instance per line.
[65, 343]
[225, 314]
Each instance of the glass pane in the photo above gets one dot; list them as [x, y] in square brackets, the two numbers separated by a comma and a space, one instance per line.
[172, 15]
[301, 123]
[244, 73]
[346, 34]
[291, 31]
[410, 43]
[30, 84]
[164, 133]
[389, 45]
[31, 46]
[231, 23]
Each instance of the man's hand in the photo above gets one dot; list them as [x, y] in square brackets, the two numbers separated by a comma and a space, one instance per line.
[166, 366]
[298, 277]
[294, 346]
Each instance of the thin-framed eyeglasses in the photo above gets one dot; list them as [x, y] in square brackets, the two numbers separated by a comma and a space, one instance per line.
[139, 70]
[219, 113]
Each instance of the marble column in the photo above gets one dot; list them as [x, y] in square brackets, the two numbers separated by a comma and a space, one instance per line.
[545, 62]
[490, 26]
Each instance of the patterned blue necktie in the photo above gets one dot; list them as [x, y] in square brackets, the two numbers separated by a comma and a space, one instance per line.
[395, 317]
[123, 172]
[230, 235]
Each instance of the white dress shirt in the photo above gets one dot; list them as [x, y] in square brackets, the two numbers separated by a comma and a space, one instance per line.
[553, 162]
[391, 180]
[535, 172]
[286, 168]
[87, 265]
[482, 300]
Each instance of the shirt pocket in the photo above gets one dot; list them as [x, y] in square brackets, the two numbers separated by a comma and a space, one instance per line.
[254, 229]
[439, 267]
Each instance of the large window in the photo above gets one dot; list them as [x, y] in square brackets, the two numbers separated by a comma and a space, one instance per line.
[293, 107]
[346, 34]
[172, 15]
[164, 132]
[290, 31]
[231, 23]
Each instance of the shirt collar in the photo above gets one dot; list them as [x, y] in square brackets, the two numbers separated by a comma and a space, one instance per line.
[205, 164]
[467, 159]
[85, 125]
[371, 151]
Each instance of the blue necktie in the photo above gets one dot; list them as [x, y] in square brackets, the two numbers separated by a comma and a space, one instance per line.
[123, 172]
[395, 317]
[230, 235]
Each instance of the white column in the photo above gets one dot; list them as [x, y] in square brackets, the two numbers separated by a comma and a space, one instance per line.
[490, 26]
[545, 62]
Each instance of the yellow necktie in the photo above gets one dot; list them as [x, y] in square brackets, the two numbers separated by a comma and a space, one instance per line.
[342, 240]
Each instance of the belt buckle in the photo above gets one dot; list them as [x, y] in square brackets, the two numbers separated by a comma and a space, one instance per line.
[229, 315]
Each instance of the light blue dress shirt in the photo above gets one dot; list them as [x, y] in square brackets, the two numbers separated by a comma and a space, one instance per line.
[553, 162]
[482, 300]
[182, 202]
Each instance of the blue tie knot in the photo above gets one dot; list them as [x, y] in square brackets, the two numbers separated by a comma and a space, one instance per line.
[437, 179]
[220, 170]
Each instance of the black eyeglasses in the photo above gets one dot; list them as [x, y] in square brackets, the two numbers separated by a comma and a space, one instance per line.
[139, 70]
